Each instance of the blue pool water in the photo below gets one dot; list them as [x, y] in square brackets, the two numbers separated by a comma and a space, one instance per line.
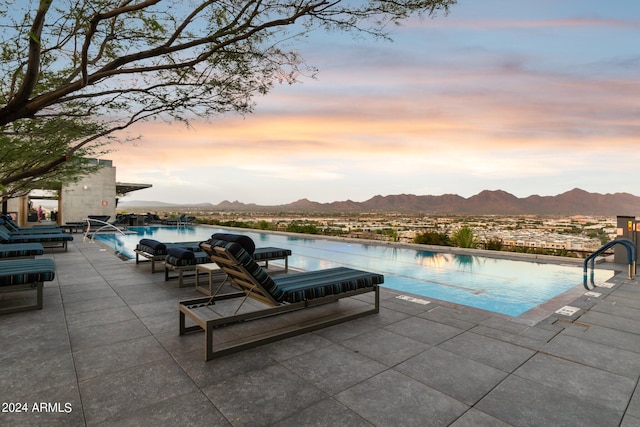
[498, 285]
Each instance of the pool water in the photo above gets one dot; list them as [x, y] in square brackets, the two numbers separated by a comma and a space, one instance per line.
[503, 286]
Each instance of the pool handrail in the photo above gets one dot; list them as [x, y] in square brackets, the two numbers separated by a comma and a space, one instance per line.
[93, 233]
[631, 260]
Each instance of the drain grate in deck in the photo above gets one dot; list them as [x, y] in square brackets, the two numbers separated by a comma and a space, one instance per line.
[568, 310]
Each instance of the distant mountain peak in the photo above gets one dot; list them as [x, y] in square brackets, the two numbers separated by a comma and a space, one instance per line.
[489, 202]
[302, 203]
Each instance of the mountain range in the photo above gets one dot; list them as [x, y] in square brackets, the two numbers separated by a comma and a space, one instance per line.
[488, 202]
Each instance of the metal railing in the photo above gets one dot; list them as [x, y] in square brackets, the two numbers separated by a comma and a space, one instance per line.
[631, 260]
[105, 225]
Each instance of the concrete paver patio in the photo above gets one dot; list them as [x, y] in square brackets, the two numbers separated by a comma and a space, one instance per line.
[105, 350]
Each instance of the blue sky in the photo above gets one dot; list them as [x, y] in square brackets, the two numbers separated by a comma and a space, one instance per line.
[526, 97]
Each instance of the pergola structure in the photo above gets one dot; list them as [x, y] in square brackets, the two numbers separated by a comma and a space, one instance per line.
[123, 188]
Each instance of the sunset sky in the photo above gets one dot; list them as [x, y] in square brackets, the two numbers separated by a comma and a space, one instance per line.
[527, 97]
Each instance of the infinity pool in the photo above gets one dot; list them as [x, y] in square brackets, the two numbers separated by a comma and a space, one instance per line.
[499, 285]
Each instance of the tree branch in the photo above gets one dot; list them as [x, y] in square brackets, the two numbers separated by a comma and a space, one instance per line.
[33, 63]
[104, 65]
[93, 25]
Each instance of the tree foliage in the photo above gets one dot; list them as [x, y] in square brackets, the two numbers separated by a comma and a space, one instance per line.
[29, 146]
[494, 244]
[433, 238]
[102, 65]
[464, 238]
[303, 227]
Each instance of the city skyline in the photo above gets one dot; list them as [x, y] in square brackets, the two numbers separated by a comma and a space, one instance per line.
[529, 99]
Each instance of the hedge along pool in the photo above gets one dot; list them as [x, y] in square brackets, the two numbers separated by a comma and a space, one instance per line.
[504, 286]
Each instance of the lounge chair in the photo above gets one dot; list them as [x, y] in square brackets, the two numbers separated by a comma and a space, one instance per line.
[20, 250]
[58, 239]
[122, 220]
[281, 294]
[151, 218]
[182, 260]
[11, 225]
[23, 274]
[74, 226]
[12, 229]
[186, 259]
[181, 220]
[154, 250]
[259, 254]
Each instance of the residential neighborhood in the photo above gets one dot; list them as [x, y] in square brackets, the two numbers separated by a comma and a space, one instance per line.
[571, 235]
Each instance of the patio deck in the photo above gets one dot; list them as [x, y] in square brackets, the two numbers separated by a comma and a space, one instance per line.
[105, 350]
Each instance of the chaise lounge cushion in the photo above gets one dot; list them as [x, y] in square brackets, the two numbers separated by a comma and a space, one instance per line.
[180, 253]
[247, 261]
[23, 271]
[11, 228]
[245, 241]
[181, 257]
[154, 245]
[20, 250]
[30, 238]
[321, 283]
[301, 286]
[268, 253]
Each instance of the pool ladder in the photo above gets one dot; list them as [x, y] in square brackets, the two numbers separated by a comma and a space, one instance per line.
[631, 260]
[104, 225]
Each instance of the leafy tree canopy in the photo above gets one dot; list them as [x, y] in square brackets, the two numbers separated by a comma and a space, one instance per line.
[74, 72]
[433, 238]
[464, 238]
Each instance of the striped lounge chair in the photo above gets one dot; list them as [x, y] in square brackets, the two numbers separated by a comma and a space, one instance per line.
[280, 294]
[13, 228]
[20, 250]
[181, 220]
[154, 250]
[49, 240]
[265, 254]
[182, 259]
[22, 274]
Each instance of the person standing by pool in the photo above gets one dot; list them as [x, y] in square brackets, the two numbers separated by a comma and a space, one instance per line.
[39, 213]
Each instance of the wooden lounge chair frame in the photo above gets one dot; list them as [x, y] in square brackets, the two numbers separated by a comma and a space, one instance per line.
[261, 255]
[181, 269]
[45, 266]
[150, 258]
[251, 288]
[26, 307]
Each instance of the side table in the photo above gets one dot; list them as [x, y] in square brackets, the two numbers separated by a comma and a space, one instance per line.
[209, 269]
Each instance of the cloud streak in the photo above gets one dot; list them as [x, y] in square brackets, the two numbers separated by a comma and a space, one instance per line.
[457, 105]
[576, 22]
